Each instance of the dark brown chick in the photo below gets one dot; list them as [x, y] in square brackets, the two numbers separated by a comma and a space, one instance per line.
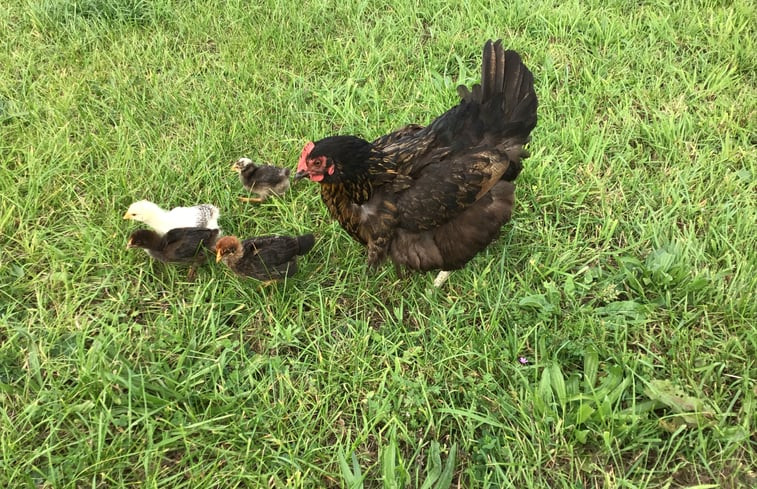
[264, 258]
[262, 180]
[178, 245]
[433, 197]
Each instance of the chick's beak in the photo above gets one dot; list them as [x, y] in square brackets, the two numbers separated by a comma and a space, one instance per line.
[219, 255]
[127, 216]
[235, 167]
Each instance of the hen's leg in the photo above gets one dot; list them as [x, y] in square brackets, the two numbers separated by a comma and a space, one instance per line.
[441, 278]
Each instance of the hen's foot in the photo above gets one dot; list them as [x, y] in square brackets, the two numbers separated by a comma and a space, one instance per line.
[441, 278]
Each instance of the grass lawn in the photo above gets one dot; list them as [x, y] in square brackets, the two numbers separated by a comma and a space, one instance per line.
[606, 339]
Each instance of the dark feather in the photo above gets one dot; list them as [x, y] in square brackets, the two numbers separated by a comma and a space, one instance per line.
[261, 176]
[179, 245]
[269, 257]
[263, 180]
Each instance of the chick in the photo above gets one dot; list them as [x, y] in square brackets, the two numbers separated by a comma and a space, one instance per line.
[263, 180]
[199, 216]
[265, 258]
[179, 245]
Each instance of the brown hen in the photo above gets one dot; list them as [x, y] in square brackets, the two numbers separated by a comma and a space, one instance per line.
[433, 197]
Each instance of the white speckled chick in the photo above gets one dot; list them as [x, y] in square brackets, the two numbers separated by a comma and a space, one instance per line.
[162, 221]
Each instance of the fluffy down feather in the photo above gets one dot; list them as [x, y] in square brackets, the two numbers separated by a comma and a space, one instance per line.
[261, 180]
[162, 221]
[179, 245]
[265, 257]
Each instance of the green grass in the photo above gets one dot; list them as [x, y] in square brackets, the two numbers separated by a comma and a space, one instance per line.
[627, 277]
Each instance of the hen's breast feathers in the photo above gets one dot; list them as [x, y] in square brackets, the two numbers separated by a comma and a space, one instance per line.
[343, 201]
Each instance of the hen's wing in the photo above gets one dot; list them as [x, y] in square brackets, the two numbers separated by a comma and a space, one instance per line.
[395, 141]
[454, 161]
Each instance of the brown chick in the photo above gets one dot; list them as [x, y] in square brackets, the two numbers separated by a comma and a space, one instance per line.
[264, 258]
[262, 180]
[179, 245]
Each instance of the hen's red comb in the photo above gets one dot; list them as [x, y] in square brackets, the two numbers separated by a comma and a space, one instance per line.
[302, 164]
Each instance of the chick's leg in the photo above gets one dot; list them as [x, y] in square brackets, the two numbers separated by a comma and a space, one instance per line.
[251, 200]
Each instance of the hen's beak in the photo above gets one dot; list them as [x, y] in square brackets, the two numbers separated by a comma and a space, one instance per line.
[300, 175]
[127, 216]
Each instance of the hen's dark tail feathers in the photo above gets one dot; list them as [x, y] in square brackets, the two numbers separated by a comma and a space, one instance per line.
[505, 80]
[305, 243]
